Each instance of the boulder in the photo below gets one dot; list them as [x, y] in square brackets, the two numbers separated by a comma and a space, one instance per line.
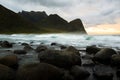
[53, 44]
[104, 55]
[55, 57]
[24, 44]
[28, 48]
[41, 48]
[102, 72]
[39, 71]
[6, 44]
[63, 47]
[67, 76]
[88, 63]
[116, 60]
[72, 50]
[79, 73]
[19, 52]
[10, 61]
[92, 49]
[6, 73]
[118, 73]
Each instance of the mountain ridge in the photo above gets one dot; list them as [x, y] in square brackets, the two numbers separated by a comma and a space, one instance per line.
[36, 22]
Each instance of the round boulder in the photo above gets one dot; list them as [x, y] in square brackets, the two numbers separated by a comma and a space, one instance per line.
[41, 48]
[10, 61]
[54, 57]
[118, 73]
[116, 60]
[102, 72]
[53, 44]
[19, 52]
[92, 49]
[72, 50]
[6, 73]
[24, 44]
[6, 44]
[39, 71]
[79, 73]
[28, 48]
[104, 55]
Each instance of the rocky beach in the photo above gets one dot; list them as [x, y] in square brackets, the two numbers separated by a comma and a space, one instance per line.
[24, 59]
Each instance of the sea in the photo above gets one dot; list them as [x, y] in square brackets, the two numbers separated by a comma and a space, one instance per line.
[76, 40]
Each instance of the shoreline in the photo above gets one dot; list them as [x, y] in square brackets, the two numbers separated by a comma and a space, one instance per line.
[30, 54]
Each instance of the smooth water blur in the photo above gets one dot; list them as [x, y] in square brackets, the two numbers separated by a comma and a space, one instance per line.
[65, 39]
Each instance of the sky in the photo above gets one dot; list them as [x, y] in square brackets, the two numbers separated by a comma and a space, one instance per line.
[98, 16]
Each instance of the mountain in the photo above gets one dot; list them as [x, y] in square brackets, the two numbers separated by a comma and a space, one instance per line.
[33, 16]
[36, 22]
[77, 25]
[53, 22]
[11, 22]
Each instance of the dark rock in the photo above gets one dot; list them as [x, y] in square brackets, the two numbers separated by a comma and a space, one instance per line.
[6, 73]
[102, 72]
[59, 59]
[116, 60]
[24, 44]
[67, 76]
[53, 44]
[63, 47]
[72, 50]
[92, 49]
[28, 48]
[10, 61]
[88, 62]
[6, 44]
[118, 73]
[39, 71]
[20, 52]
[41, 48]
[87, 56]
[104, 55]
[79, 73]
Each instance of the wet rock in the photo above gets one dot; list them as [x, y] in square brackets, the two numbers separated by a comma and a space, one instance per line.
[19, 52]
[104, 55]
[10, 61]
[88, 62]
[39, 71]
[87, 56]
[79, 73]
[56, 58]
[92, 49]
[6, 44]
[118, 73]
[72, 50]
[41, 48]
[67, 76]
[116, 60]
[24, 44]
[53, 44]
[102, 72]
[63, 47]
[6, 73]
[28, 48]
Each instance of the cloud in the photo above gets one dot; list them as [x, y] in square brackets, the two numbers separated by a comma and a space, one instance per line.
[47, 3]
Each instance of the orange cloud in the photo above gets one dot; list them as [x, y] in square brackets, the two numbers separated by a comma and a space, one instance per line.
[104, 29]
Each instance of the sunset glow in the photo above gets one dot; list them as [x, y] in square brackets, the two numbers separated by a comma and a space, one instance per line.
[104, 29]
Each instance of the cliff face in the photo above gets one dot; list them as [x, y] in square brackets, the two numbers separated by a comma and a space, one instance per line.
[77, 25]
[11, 22]
[33, 16]
[36, 22]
